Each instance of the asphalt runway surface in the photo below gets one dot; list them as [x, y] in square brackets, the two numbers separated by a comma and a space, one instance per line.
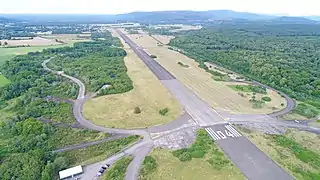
[252, 162]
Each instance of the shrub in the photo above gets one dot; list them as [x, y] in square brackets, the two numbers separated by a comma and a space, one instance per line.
[153, 56]
[197, 154]
[306, 110]
[164, 111]
[267, 99]
[149, 165]
[137, 110]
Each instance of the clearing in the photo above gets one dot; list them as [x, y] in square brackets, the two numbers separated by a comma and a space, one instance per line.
[40, 43]
[297, 152]
[36, 41]
[149, 95]
[98, 152]
[203, 160]
[176, 27]
[217, 93]
[163, 39]
[3, 80]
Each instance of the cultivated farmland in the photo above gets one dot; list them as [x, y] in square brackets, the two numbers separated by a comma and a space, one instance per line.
[119, 110]
[217, 93]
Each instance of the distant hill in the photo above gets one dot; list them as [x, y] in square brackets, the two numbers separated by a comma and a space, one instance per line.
[161, 17]
[5, 20]
[290, 19]
[189, 16]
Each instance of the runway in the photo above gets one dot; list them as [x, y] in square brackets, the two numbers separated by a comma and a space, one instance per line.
[252, 162]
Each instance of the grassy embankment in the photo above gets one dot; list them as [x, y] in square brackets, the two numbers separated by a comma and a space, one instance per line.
[297, 152]
[148, 95]
[202, 160]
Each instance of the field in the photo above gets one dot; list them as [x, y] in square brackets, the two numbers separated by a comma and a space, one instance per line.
[36, 41]
[163, 39]
[216, 93]
[296, 151]
[177, 27]
[98, 152]
[149, 95]
[205, 161]
[38, 44]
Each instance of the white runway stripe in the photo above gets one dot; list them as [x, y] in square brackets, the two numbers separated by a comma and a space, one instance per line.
[233, 131]
[212, 135]
[218, 137]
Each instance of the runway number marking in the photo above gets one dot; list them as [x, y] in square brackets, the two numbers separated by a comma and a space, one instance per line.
[224, 134]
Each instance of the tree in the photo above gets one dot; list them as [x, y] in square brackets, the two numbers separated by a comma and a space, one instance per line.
[5, 43]
[137, 110]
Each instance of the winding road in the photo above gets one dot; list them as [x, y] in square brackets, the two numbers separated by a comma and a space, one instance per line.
[196, 110]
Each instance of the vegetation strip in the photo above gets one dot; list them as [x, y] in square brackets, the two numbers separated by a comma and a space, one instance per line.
[118, 169]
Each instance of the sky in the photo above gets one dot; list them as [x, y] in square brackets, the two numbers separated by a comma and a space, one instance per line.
[280, 7]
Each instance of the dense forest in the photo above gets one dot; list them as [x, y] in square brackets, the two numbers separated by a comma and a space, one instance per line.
[96, 63]
[289, 62]
[34, 94]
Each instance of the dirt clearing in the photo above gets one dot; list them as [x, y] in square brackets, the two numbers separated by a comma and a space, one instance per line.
[148, 94]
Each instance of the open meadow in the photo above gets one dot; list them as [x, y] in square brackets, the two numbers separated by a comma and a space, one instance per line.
[217, 93]
[38, 44]
[202, 160]
[36, 41]
[117, 110]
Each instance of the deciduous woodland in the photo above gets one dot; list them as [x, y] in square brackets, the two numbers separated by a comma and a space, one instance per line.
[289, 61]
[34, 93]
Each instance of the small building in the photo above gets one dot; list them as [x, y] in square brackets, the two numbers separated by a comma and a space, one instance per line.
[71, 172]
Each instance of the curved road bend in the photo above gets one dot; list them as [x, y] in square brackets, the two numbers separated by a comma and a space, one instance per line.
[78, 105]
[139, 150]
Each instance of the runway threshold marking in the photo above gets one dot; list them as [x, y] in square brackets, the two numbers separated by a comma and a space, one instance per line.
[228, 132]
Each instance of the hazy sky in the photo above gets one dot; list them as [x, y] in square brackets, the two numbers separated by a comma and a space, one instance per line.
[287, 7]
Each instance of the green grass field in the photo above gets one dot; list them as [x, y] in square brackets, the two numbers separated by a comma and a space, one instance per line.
[8, 53]
[3, 80]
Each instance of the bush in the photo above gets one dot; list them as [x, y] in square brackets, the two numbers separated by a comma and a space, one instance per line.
[183, 65]
[118, 170]
[197, 154]
[267, 99]
[182, 154]
[306, 110]
[153, 56]
[149, 165]
[164, 111]
[137, 110]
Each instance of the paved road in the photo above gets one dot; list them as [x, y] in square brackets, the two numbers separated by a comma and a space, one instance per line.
[138, 150]
[77, 112]
[291, 104]
[78, 105]
[251, 161]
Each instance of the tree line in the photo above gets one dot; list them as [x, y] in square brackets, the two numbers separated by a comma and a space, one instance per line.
[289, 62]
